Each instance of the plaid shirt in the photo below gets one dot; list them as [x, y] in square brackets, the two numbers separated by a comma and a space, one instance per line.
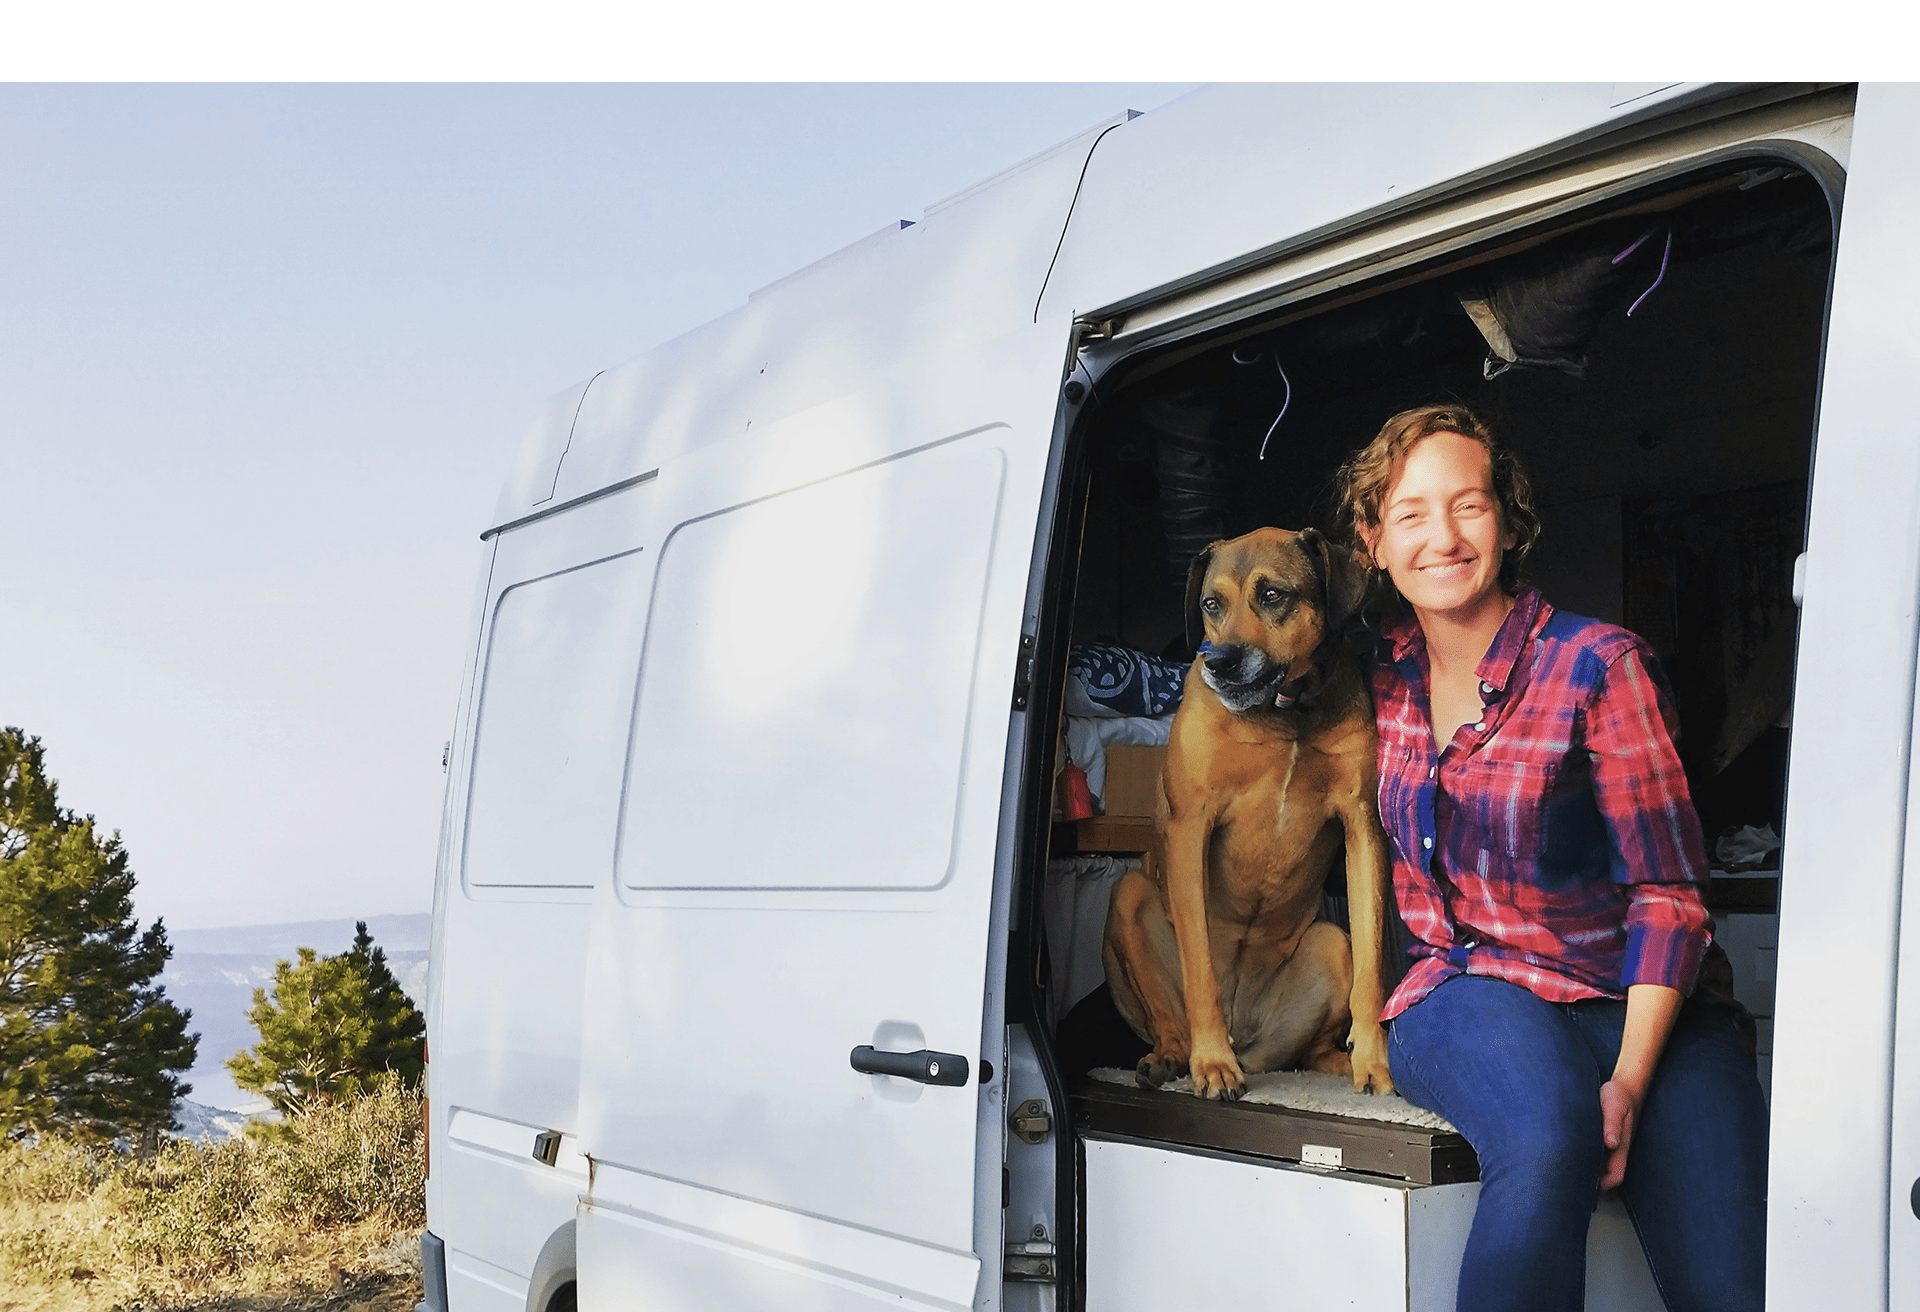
[1553, 843]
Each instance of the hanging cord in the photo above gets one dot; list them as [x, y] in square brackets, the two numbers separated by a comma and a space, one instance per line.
[1283, 407]
[1093, 386]
[1666, 253]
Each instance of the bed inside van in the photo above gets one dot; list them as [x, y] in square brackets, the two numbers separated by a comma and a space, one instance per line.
[1654, 362]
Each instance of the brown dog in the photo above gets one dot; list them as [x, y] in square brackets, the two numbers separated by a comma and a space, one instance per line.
[1217, 959]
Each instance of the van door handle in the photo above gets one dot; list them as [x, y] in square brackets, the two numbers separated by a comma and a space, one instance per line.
[923, 1066]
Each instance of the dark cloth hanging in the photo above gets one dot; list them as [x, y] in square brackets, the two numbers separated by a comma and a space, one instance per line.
[1540, 309]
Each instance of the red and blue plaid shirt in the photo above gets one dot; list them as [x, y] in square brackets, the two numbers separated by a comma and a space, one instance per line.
[1553, 843]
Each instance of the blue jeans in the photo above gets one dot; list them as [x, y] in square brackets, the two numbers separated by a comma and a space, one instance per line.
[1521, 1077]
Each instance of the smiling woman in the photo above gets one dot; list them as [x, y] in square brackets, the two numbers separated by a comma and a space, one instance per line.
[1441, 537]
[1448, 515]
[1461, 489]
[1550, 866]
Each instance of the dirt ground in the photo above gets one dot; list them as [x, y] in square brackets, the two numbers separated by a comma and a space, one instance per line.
[371, 1294]
[393, 1294]
[366, 1294]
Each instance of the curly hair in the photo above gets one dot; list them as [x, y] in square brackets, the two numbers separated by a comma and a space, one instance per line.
[1363, 481]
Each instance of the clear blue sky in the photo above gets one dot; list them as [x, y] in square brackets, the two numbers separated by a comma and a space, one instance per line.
[265, 356]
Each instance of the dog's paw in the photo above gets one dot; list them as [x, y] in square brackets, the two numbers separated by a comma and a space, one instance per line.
[1157, 1067]
[1217, 1075]
[1370, 1070]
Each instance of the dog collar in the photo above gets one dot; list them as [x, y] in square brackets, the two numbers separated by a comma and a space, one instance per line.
[1305, 689]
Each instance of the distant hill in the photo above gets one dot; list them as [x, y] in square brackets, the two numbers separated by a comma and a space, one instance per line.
[394, 933]
[215, 971]
[196, 1120]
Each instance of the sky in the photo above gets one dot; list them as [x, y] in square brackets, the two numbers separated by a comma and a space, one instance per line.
[265, 357]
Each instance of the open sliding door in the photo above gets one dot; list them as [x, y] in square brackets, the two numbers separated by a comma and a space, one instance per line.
[1843, 1100]
[806, 852]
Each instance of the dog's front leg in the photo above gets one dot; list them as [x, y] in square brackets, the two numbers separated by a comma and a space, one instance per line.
[1369, 884]
[1215, 1070]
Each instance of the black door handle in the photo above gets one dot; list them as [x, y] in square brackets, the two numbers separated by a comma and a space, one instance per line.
[924, 1066]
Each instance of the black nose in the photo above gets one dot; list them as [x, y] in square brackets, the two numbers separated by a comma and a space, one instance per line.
[1221, 659]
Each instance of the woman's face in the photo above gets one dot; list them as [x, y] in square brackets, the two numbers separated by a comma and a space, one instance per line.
[1441, 536]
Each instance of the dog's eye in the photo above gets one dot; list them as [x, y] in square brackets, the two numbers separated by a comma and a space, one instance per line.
[1271, 596]
[1211, 605]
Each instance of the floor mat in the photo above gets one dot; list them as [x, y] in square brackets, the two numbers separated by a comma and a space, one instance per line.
[1307, 1091]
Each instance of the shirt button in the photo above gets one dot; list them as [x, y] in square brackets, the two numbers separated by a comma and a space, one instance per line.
[1432, 771]
[1427, 842]
[1479, 725]
[1486, 689]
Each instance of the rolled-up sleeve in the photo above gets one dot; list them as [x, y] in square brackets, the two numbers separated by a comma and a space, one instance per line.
[1658, 852]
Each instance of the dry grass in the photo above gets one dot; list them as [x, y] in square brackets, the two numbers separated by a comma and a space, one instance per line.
[319, 1214]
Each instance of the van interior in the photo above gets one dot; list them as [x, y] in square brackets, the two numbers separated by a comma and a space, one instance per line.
[1654, 363]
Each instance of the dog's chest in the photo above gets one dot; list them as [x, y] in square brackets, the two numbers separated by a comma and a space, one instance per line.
[1277, 818]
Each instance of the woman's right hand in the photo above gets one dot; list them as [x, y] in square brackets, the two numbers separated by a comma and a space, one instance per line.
[1619, 1110]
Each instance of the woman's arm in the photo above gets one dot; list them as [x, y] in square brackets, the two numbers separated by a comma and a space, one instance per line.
[1651, 1010]
[1660, 858]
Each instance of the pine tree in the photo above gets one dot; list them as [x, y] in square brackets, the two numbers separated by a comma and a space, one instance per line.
[314, 1031]
[332, 1027]
[399, 1030]
[89, 1043]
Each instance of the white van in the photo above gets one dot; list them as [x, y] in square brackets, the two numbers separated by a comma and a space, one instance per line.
[745, 987]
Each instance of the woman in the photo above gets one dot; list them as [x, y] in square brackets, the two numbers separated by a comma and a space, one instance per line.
[1548, 863]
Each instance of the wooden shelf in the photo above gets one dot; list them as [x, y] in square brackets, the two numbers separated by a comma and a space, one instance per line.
[1400, 1152]
[1114, 833]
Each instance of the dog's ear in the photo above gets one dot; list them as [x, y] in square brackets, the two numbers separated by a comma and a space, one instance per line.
[1196, 579]
[1341, 572]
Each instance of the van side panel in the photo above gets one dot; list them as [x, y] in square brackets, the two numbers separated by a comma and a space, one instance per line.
[667, 1247]
[808, 647]
[807, 848]
[515, 968]
[446, 897]
[533, 796]
[1833, 1090]
[825, 372]
[813, 797]
[921, 297]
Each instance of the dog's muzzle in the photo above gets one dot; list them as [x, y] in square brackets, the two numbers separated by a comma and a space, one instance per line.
[1244, 677]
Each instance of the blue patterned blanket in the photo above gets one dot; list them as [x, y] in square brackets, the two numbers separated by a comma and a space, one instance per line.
[1103, 679]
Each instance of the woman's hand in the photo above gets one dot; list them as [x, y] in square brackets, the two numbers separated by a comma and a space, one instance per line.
[1651, 1012]
[1619, 1110]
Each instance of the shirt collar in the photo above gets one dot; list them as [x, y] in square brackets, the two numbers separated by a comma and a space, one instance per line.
[1529, 615]
[1403, 635]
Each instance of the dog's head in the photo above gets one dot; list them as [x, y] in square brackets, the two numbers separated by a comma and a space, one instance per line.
[1260, 606]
